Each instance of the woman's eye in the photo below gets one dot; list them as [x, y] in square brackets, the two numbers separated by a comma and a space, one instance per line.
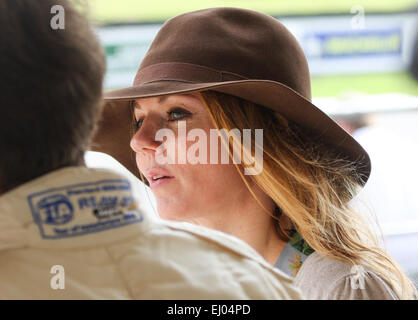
[177, 114]
[173, 115]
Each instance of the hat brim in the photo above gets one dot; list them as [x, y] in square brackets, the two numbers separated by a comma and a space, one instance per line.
[271, 94]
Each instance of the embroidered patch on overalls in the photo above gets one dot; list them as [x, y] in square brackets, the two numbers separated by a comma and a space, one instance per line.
[85, 208]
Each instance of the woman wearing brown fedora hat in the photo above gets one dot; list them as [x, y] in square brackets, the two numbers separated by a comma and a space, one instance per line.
[234, 69]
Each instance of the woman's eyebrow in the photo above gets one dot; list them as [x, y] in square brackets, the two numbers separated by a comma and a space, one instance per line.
[164, 98]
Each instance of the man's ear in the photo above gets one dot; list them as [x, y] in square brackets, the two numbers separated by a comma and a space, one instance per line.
[113, 134]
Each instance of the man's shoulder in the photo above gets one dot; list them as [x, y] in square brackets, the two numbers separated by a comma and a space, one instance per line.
[185, 261]
[211, 239]
[188, 241]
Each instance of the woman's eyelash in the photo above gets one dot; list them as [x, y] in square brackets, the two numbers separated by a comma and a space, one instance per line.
[138, 123]
[177, 114]
[173, 115]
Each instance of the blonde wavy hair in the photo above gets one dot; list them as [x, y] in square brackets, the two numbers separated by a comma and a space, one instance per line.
[311, 188]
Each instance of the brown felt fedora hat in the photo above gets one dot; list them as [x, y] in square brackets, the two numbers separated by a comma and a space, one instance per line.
[239, 52]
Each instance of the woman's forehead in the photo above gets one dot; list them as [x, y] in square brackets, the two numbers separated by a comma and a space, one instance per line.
[140, 102]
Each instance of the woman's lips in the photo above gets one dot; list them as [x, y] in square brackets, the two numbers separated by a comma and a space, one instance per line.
[159, 182]
[157, 177]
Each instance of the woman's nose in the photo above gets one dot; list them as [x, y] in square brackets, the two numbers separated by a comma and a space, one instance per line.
[143, 140]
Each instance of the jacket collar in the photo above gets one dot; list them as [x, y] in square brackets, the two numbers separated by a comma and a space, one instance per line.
[69, 208]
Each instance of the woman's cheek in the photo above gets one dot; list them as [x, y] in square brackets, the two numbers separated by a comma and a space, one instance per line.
[166, 152]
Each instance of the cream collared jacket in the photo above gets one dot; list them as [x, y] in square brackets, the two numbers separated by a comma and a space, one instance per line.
[77, 233]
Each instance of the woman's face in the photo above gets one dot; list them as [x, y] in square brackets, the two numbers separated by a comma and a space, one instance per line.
[183, 191]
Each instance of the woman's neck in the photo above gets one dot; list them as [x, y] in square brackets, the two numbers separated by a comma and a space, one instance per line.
[250, 223]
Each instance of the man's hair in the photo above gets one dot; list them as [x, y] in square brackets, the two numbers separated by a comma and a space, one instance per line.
[50, 89]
